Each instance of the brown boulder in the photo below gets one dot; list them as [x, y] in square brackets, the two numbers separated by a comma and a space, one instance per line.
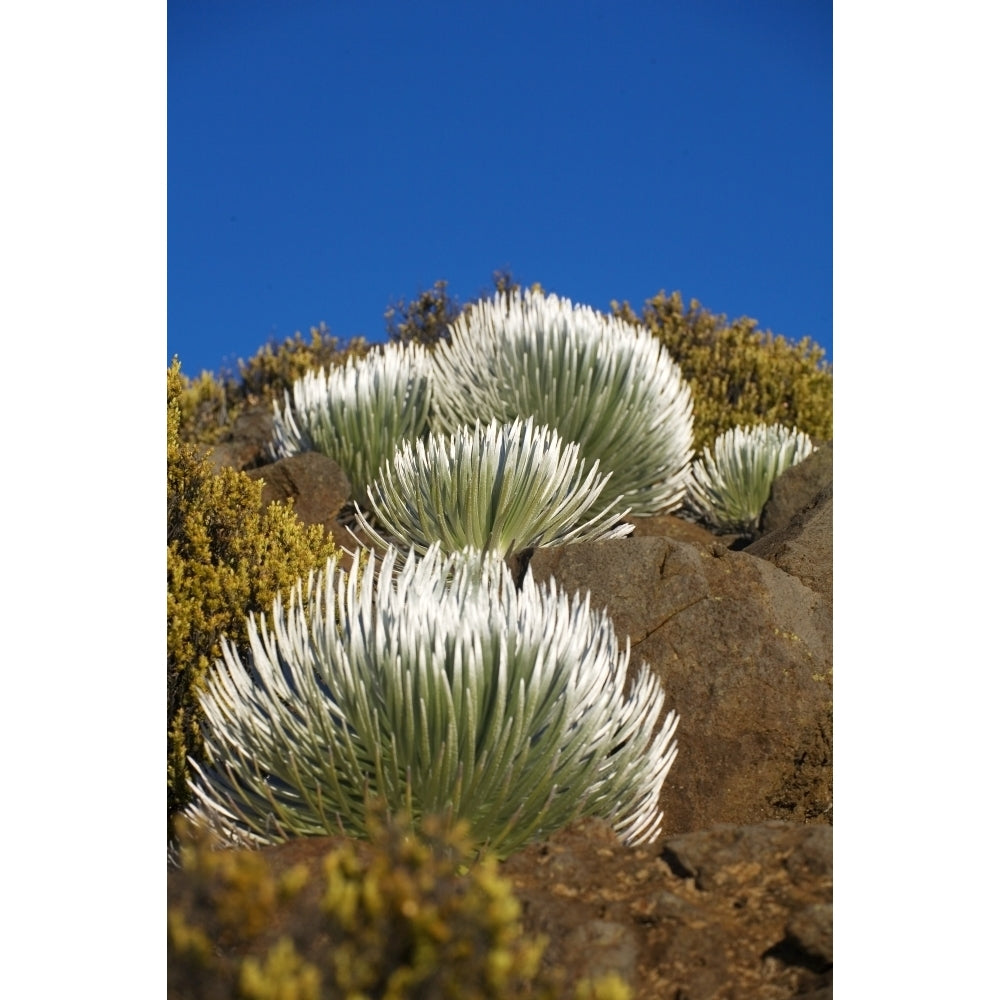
[799, 519]
[678, 528]
[318, 487]
[798, 489]
[744, 652]
[246, 444]
[315, 483]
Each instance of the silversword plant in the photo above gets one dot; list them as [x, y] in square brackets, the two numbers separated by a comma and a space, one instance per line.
[357, 413]
[608, 386]
[439, 687]
[731, 482]
[503, 488]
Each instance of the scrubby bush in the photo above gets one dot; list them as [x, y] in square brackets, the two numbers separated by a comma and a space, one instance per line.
[502, 488]
[739, 374]
[594, 379]
[441, 688]
[731, 482]
[410, 916]
[225, 559]
[427, 319]
[207, 407]
[359, 412]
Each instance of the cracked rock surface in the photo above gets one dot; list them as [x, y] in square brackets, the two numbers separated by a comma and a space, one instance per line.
[744, 651]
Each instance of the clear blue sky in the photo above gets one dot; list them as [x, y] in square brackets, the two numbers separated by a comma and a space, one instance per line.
[326, 158]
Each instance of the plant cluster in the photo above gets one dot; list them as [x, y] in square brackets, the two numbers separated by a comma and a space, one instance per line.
[441, 688]
[593, 379]
[731, 482]
[739, 374]
[225, 559]
[411, 915]
[598, 389]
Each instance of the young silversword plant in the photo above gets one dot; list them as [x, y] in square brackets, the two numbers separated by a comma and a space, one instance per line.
[439, 687]
[502, 488]
[732, 481]
[594, 379]
[358, 413]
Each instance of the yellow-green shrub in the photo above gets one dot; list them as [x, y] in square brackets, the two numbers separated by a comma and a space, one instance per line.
[275, 367]
[739, 374]
[225, 560]
[207, 407]
[410, 916]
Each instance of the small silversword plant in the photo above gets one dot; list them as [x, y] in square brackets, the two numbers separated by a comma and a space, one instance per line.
[503, 488]
[594, 379]
[732, 480]
[438, 687]
[357, 413]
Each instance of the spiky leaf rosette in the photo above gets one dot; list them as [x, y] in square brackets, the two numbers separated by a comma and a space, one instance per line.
[357, 413]
[438, 687]
[502, 488]
[595, 379]
[732, 480]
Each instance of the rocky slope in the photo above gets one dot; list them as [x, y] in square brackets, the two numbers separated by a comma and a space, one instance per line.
[734, 899]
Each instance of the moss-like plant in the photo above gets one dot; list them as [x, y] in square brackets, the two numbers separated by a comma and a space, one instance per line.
[442, 689]
[732, 481]
[503, 488]
[225, 559]
[412, 916]
[594, 379]
[739, 374]
[358, 413]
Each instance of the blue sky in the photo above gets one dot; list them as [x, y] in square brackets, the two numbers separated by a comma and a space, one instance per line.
[326, 158]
